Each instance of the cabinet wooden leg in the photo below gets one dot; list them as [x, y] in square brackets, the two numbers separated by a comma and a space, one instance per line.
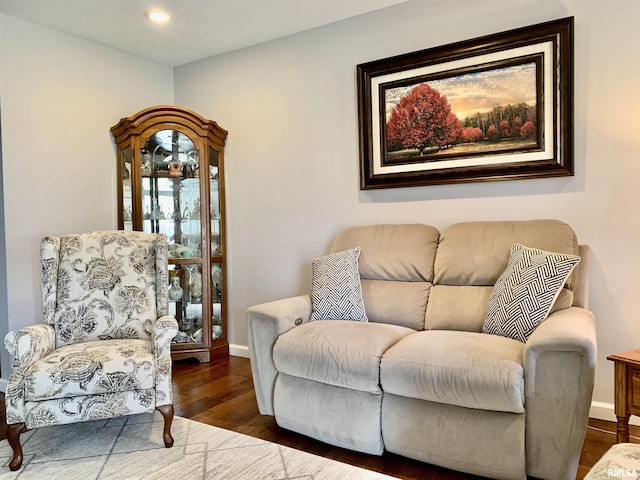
[167, 414]
[623, 429]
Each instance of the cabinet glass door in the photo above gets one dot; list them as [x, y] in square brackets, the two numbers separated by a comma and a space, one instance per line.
[216, 245]
[127, 199]
[214, 202]
[171, 192]
[216, 281]
[185, 302]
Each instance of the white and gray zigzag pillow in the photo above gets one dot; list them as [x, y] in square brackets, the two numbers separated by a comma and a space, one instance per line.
[336, 293]
[525, 292]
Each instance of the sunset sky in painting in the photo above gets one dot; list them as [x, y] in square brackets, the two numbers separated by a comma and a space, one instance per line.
[482, 91]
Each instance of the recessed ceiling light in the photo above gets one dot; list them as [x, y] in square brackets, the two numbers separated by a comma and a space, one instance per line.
[158, 16]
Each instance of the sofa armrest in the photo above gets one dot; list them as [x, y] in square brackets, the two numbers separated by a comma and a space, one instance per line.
[266, 322]
[568, 330]
[559, 365]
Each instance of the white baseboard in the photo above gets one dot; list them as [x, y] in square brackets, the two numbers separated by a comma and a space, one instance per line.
[239, 350]
[606, 411]
[3, 385]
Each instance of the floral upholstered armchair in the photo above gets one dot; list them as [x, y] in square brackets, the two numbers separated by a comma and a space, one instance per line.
[104, 349]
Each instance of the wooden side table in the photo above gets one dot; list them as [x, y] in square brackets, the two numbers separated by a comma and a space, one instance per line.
[627, 389]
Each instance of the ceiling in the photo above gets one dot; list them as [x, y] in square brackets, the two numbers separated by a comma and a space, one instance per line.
[198, 29]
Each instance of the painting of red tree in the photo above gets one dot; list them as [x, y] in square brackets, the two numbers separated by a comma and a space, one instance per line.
[490, 110]
[422, 119]
[496, 107]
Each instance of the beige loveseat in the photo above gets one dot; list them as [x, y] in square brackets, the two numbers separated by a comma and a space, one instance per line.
[420, 378]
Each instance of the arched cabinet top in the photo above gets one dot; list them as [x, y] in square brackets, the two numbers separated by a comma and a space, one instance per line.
[163, 116]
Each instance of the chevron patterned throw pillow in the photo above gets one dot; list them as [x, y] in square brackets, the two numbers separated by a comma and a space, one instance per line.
[525, 292]
[336, 293]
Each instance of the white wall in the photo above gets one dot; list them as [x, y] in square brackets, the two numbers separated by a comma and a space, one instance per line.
[292, 151]
[59, 96]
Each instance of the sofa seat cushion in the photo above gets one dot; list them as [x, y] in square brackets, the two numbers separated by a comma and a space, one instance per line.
[100, 366]
[337, 352]
[466, 369]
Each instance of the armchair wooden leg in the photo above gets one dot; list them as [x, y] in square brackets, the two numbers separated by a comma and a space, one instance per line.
[13, 437]
[167, 414]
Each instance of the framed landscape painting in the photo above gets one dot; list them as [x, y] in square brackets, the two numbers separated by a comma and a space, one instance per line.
[498, 107]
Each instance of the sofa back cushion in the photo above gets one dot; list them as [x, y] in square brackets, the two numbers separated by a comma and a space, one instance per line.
[470, 258]
[396, 270]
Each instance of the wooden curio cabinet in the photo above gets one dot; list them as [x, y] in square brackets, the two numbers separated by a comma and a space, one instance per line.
[171, 181]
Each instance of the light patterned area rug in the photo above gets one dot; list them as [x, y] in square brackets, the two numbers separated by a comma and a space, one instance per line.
[132, 448]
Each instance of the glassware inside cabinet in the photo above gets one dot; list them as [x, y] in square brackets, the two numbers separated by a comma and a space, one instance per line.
[216, 284]
[185, 302]
[171, 192]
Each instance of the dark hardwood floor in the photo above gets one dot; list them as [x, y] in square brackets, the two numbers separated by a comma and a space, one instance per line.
[221, 393]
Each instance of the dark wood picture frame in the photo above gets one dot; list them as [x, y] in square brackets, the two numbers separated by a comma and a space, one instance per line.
[532, 117]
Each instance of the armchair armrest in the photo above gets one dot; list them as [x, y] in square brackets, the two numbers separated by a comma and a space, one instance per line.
[559, 367]
[26, 346]
[164, 329]
[266, 322]
[30, 344]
